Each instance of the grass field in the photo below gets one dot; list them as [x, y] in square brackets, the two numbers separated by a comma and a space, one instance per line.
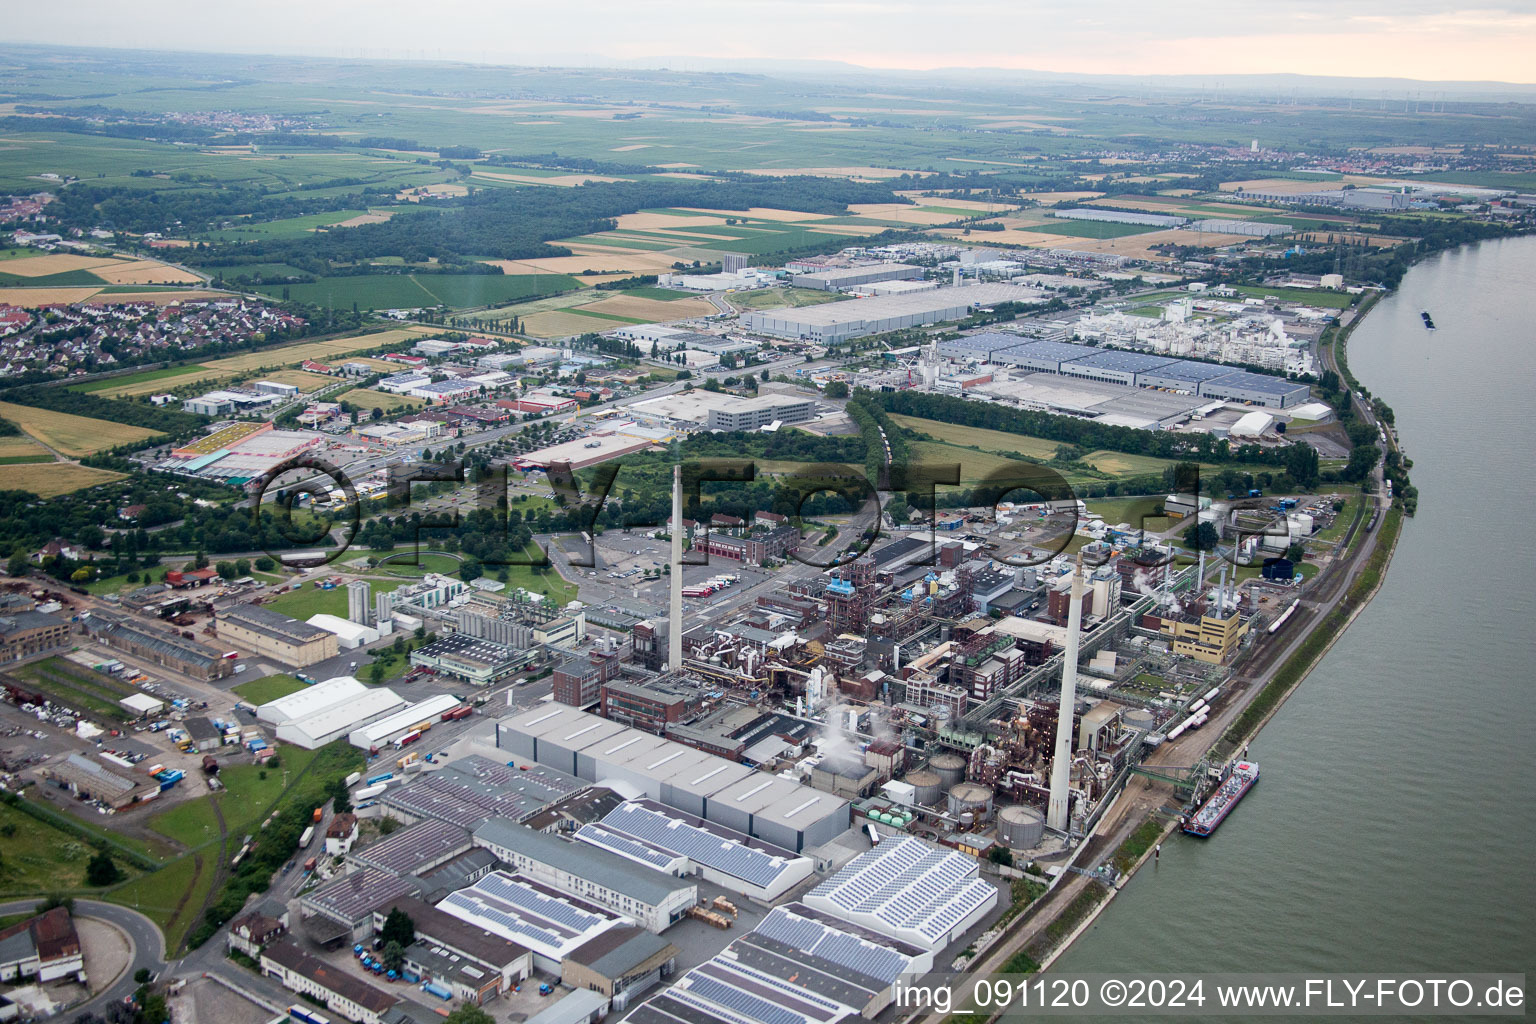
[117, 384]
[772, 298]
[39, 858]
[304, 381]
[650, 291]
[311, 600]
[367, 399]
[1307, 296]
[409, 291]
[72, 435]
[171, 896]
[268, 688]
[991, 440]
[50, 479]
[78, 687]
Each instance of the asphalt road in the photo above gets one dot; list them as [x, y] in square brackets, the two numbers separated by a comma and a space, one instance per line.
[148, 945]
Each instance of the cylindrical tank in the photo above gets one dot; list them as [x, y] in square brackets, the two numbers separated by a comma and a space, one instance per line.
[1020, 827]
[967, 821]
[926, 787]
[950, 768]
[971, 797]
[1139, 718]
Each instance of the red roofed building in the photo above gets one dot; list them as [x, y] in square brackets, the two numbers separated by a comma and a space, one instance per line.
[42, 948]
[314, 367]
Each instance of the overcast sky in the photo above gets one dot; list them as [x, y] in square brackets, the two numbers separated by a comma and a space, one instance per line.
[1366, 38]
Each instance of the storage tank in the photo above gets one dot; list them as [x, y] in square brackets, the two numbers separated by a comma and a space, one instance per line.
[926, 787]
[950, 768]
[971, 797]
[1020, 827]
[1139, 718]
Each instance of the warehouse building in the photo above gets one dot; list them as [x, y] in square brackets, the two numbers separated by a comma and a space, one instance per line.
[796, 967]
[839, 278]
[336, 721]
[1258, 389]
[476, 965]
[302, 703]
[406, 720]
[766, 807]
[1182, 375]
[619, 964]
[276, 636]
[473, 789]
[1046, 356]
[334, 988]
[1114, 366]
[549, 923]
[87, 780]
[1151, 220]
[835, 322]
[415, 849]
[159, 647]
[468, 659]
[663, 839]
[651, 898]
[343, 907]
[705, 410]
[908, 890]
[25, 633]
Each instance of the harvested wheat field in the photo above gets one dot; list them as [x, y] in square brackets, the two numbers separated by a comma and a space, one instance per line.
[1011, 236]
[56, 263]
[1282, 186]
[69, 434]
[652, 309]
[900, 212]
[51, 479]
[145, 272]
[832, 172]
[762, 213]
[305, 382]
[161, 298]
[20, 446]
[371, 217]
[630, 261]
[34, 297]
[556, 323]
[1048, 198]
[318, 350]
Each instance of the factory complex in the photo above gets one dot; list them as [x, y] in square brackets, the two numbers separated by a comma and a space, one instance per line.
[836, 322]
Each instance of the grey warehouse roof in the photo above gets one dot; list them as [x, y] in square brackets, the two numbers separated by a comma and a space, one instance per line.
[600, 867]
[1129, 362]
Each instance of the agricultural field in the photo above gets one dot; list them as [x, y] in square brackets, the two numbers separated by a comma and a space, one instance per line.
[1091, 228]
[69, 269]
[51, 479]
[139, 383]
[365, 398]
[301, 379]
[410, 291]
[71, 435]
[320, 351]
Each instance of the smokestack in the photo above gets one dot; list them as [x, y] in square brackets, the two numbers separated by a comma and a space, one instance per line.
[1061, 764]
[675, 620]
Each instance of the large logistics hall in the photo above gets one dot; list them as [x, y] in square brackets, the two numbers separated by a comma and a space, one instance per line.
[763, 806]
[1128, 369]
[835, 322]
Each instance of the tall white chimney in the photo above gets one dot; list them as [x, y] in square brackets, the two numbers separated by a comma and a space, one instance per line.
[1061, 763]
[675, 620]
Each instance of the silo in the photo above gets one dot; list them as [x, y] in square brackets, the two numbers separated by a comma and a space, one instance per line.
[926, 787]
[1020, 827]
[971, 797]
[950, 769]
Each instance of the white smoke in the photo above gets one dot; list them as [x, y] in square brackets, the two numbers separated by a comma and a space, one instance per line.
[833, 740]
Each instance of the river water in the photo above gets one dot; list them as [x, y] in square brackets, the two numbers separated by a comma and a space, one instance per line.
[1393, 828]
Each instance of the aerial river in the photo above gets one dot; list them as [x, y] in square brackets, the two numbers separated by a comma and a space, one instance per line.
[1393, 828]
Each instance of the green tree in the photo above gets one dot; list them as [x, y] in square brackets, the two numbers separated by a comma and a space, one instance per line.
[341, 799]
[393, 956]
[376, 673]
[101, 871]
[18, 565]
[1000, 855]
[836, 389]
[1296, 552]
[398, 928]
[469, 1013]
[1201, 537]
[470, 570]
[1301, 464]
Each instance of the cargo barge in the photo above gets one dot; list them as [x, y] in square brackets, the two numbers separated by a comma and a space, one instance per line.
[1429, 321]
[1215, 810]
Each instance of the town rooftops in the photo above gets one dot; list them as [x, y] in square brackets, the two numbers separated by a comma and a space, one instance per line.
[597, 866]
[290, 957]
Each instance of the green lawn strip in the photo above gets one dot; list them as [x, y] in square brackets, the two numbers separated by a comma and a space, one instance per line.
[269, 688]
